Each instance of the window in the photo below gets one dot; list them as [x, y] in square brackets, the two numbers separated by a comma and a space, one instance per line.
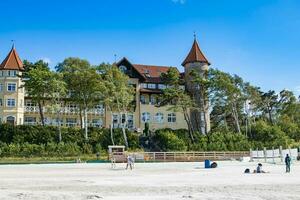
[11, 102]
[58, 122]
[14, 73]
[115, 119]
[1, 103]
[30, 120]
[29, 103]
[144, 85]
[162, 86]
[71, 122]
[96, 123]
[11, 87]
[159, 117]
[143, 99]
[151, 85]
[1, 87]
[153, 99]
[71, 108]
[130, 121]
[1, 73]
[146, 117]
[172, 117]
[99, 109]
[123, 68]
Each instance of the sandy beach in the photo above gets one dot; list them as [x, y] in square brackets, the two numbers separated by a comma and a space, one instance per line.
[148, 181]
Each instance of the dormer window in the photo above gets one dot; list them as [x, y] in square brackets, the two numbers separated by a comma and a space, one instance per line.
[123, 68]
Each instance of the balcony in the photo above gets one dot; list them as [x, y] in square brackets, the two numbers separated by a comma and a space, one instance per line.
[65, 110]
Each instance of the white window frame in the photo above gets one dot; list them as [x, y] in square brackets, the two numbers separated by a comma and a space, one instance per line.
[11, 103]
[130, 121]
[11, 85]
[153, 99]
[1, 87]
[70, 122]
[143, 99]
[143, 85]
[159, 117]
[171, 118]
[151, 86]
[146, 117]
[162, 86]
[30, 120]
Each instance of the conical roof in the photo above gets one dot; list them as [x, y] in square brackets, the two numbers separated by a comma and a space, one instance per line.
[12, 61]
[195, 55]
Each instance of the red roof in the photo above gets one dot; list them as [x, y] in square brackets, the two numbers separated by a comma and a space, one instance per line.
[195, 55]
[12, 61]
[151, 72]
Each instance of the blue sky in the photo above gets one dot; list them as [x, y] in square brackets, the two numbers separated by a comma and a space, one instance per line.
[256, 39]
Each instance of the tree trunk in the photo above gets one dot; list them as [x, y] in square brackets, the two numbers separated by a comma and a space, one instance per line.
[59, 127]
[189, 125]
[236, 118]
[85, 125]
[80, 116]
[270, 115]
[124, 130]
[111, 129]
[41, 113]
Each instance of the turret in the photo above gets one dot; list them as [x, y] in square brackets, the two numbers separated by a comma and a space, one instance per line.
[196, 61]
[11, 92]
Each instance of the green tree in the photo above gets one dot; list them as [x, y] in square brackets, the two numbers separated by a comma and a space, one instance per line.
[84, 84]
[57, 91]
[118, 95]
[176, 97]
[37, 78]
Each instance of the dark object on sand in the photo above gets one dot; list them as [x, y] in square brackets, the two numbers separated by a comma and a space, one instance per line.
[207, 164]
[214, 165]
[247, 171]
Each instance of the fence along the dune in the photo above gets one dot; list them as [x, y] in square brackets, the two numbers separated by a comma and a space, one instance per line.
[273, 154]
[189, 156]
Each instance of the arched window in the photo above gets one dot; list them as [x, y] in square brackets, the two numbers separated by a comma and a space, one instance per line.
[123, 68]
[159, 117]
[146, 117]
[10, 120]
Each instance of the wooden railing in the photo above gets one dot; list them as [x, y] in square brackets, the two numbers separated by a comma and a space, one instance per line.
[188, 156]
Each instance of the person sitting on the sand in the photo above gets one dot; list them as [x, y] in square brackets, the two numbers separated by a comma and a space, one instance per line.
[259, 169]
[129, 162]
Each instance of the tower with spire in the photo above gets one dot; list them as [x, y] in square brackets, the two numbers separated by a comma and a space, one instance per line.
[196, 62]
[11, 90]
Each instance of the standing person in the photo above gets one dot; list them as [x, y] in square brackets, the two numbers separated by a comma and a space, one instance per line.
[129, 162]
[287, 163]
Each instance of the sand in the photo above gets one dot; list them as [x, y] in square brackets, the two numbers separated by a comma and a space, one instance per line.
[148, 181]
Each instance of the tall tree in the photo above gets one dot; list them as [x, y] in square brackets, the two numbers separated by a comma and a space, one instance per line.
[176, 97]
[226, 92]
[37, 77]
[270, 103]
[118, 96]
[57, 91]
[84, 84]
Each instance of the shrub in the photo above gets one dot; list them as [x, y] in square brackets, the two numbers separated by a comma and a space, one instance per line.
[168, 141]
